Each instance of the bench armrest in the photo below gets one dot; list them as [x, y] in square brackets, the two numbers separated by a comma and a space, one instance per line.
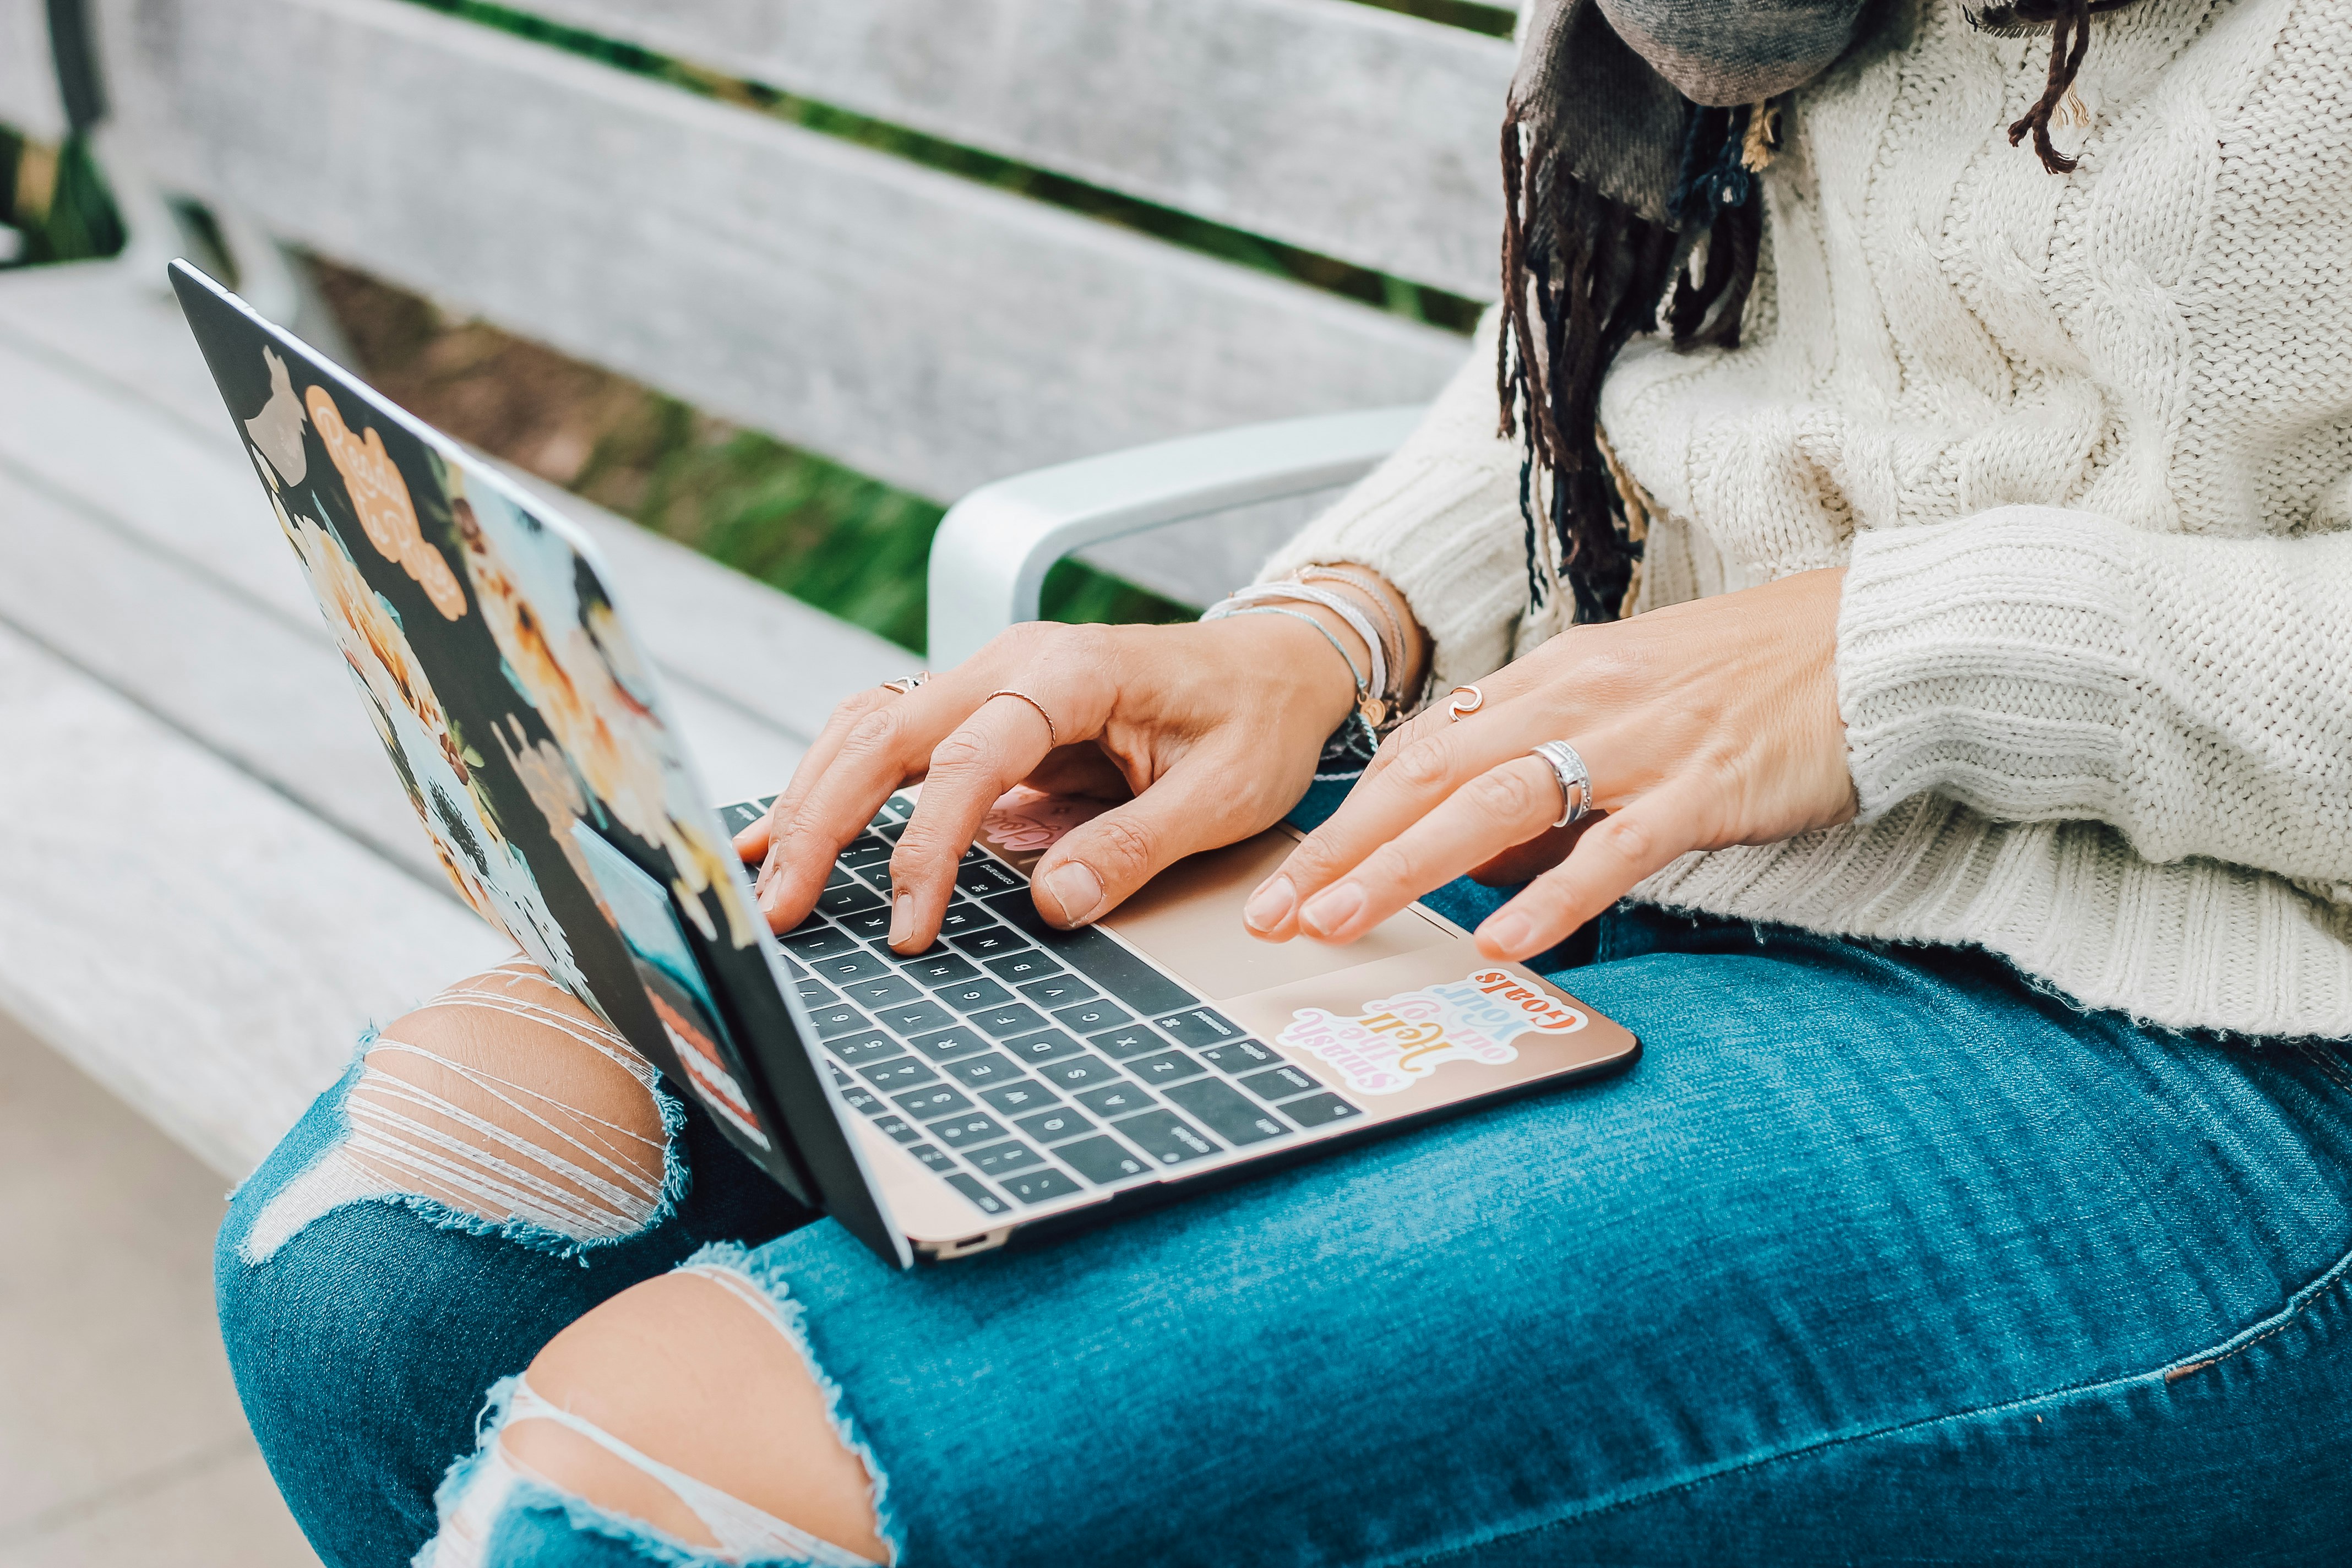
[990, 557]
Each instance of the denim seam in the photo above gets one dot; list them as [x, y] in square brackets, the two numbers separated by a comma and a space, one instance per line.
[770, 1281]
[2162, 1376]
[523, 1233]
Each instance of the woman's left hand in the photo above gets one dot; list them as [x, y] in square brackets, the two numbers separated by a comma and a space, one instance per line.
[1705, 725]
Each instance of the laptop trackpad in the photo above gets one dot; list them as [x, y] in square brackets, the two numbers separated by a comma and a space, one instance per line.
[1188, 920]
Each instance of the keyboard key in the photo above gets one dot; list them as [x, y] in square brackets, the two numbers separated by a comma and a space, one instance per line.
[1102, 1161]
[972, 995]
[1121, 1045]
[949, 1044]
[876, 874]
[1008, 1020]
[823, 942]
[915, 1017]
[882, 991]
[1168, 1067]
[898, 1128]
[1038, 1186]
[1013, 1098]
[898, 1072]
[816, 993]
[1057, 991]
[1226, 1111]
[1199, 1026]
[968, 1131]
[929, 1104]
[1054, 1126]
[841, 1018]
[843, 968]
[936, 1159]
[839, 1077]
[865, 851]
[1113, 1100]
[868, 926]
[864, 1048]
[937, 969]
[1279, 1083]
[1166, 1137]
[884, 816]
[985, 1072]
[988, 941]
[1093, 1017]
[981, 878]
[1051, 1045]
[863, 1099]
[1012, 968]
[847, 900]
[999, 1158]
[891, 831]
[981, 1198]
[1078, 1072]
[741, 815]
[963, 916]
[900, 806]
[1319, 1111]
[1238, 1056]
[1116, 972]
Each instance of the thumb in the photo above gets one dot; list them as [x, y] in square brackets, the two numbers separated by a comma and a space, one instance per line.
[1098, 864]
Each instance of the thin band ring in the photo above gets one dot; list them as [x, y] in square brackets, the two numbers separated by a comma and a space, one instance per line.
[1575, 780]
[1463, 701]
[1053, 735]
[907, 683]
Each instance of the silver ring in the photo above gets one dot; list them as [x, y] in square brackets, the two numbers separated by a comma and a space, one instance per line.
[907, 683]
[1575, 780]
[1463, 701]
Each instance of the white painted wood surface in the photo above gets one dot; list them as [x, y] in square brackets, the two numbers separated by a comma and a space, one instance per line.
[1352, 132]
[28, 83]
[918, 327]
[201, 946]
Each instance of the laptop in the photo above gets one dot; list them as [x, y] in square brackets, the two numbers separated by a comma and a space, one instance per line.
[1014, 1081]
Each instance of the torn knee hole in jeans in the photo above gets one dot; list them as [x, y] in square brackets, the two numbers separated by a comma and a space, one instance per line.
[454, 1111]
[700, 1525]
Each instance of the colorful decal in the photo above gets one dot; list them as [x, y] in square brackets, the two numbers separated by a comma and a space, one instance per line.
[1026, 821]
[1397, 1041]
[380, 496]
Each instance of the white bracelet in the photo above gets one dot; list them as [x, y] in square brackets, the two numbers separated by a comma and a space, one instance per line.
[1345, 608]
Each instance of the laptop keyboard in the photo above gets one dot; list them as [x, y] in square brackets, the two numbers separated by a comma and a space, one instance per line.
[1020, 1062]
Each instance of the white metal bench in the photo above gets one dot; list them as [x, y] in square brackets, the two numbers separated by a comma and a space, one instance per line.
[208, 880]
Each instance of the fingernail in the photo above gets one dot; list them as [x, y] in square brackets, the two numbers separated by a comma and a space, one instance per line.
[1271, 904]
[1076, 888]
[1331, 909]
[1506, 933]
[902, 917]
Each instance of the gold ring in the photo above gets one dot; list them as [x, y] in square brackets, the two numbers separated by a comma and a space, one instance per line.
[907, 683]
[1465, 701]
[1053, 735]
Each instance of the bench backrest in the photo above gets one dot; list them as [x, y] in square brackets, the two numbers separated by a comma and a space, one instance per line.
[929, 329]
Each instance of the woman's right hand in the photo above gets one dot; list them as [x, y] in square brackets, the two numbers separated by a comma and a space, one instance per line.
[1207, 733]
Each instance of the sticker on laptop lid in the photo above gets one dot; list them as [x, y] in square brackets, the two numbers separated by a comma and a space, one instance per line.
[1397, 1041]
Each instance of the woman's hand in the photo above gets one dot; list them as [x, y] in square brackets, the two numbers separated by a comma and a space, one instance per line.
[1706, 724]
[1208, 731]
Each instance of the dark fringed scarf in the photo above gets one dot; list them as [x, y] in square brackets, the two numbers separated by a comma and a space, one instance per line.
[1636, 133]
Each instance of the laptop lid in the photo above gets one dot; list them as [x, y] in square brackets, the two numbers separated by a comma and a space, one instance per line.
[529, 729]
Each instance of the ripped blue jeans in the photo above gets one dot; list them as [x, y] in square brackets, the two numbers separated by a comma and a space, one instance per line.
[1876, 1254]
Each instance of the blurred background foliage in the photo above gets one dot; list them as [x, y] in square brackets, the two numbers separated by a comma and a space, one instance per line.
[832, 537]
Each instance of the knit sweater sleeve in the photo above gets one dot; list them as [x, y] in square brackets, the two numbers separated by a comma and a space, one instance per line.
[1440, 519]
[2039, 664]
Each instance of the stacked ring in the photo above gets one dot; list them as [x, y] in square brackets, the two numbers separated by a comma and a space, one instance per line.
[907, 683]
[1463, 701]
[1575, 780]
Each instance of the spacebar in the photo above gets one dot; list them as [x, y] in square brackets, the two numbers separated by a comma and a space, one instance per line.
[1095, 956]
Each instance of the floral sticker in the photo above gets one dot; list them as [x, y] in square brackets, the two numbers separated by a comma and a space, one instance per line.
[1397, 1041]
[380, 496]
[1025, 821]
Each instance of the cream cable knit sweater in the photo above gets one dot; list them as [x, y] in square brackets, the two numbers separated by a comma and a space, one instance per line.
[2085, 443]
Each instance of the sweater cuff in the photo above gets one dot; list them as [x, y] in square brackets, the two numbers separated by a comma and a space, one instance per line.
[1991, 660]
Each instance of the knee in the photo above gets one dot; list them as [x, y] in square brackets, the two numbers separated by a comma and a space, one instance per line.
[688, 1405]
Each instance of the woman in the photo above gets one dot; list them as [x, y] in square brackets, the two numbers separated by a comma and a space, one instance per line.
[1959, 638]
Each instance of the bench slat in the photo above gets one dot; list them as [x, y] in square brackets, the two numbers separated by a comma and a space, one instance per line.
[28, 83]
[918, 327]
[1352, 132]
[205, 949]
